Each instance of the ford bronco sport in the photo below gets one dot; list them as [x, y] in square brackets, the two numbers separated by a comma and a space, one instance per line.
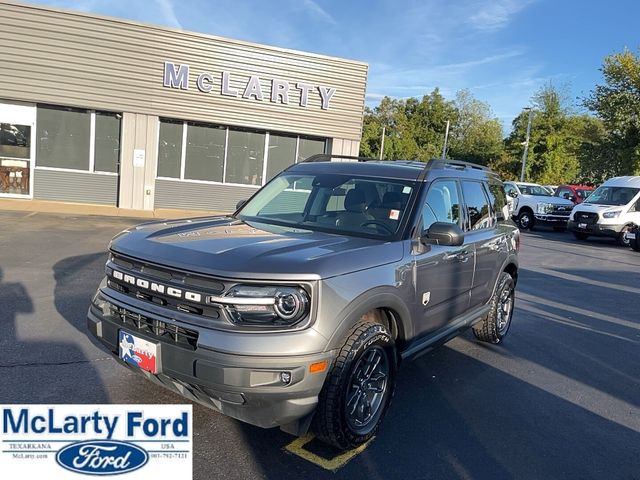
[297, 310]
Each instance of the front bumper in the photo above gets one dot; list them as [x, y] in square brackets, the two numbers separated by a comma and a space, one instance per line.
[549, 219]
[248, 388]
[597, 229]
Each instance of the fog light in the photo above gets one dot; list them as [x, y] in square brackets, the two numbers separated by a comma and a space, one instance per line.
[285, 377]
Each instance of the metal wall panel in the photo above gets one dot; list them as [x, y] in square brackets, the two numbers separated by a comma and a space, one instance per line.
[77, 59]
[70, 186]
[200, 196]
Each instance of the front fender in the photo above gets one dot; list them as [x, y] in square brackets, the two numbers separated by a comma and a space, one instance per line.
[379, 297]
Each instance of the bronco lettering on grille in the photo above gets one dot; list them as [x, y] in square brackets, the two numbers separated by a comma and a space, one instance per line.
[157, 287]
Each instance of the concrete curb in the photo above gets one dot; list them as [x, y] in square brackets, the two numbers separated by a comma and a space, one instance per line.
[44, 206]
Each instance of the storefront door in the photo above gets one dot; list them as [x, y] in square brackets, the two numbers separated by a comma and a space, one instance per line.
[17, 150]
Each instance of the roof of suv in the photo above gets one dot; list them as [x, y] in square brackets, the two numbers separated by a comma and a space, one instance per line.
[396, 169]
[574, 187]
[623, 182]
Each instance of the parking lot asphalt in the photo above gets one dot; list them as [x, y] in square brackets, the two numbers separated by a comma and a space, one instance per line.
[559, 399]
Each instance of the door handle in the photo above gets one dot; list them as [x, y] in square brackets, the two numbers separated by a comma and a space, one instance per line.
[462, 257]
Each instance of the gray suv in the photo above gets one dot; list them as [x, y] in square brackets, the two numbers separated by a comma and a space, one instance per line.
[297, 310]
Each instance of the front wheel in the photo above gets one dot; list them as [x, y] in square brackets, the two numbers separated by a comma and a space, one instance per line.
[496, 325]
[526, 220]
[358, 389]
[622, 237]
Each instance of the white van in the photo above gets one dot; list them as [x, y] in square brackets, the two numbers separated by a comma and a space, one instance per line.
[609, 211]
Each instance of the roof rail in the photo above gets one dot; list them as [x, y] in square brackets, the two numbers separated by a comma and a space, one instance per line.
[326, 157]
[429, 164]
[440, 163]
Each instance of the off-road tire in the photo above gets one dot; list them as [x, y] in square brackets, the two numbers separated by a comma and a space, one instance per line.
[526, 220]
[330, 421]
[635, 244]
[489, 330]
[580, 236]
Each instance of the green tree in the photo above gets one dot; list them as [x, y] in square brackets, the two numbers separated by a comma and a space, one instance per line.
[476, 136]
[617, 104]
[414, 128]
[556, 142]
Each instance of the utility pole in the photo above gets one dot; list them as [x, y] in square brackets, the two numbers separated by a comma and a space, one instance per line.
[446, 139]
[382, 142]
[526, 145]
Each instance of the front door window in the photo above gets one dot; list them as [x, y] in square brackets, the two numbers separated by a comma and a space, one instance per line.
[15, 158]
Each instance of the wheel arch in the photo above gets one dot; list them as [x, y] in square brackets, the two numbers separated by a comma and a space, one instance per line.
[381, 306]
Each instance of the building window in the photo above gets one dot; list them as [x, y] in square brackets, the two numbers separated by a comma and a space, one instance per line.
[282, 153]
[308, 147]
[63, 138]
[213, 153]
[204, 155]
[170, 148]
[76, 139]
[245, 157]
[107, 143]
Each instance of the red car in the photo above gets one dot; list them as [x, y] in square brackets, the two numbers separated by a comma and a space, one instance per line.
[575, 193]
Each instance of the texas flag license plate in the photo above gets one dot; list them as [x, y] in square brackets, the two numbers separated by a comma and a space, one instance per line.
[138, 352]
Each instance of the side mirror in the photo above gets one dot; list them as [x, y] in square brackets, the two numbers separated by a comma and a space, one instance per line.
[442, 233]
[240, 204]
[513, 194]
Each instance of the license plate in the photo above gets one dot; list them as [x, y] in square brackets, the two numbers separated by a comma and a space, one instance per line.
[138, 352]
[630, 235]
[582, 225]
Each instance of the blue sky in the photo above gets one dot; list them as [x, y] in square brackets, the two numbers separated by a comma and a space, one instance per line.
[502, 50]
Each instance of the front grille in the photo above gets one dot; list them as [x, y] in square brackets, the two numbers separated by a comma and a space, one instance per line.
[166, 301]
[561, 210]
[585, 217]
[168, 275]
[183, 281]
[157, 329]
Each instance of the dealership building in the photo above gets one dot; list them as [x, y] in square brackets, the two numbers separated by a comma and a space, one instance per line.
[106, 111]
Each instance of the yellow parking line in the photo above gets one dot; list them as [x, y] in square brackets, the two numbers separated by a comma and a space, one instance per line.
[297, 448]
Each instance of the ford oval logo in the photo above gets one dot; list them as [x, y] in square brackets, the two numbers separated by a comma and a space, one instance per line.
[102, 457]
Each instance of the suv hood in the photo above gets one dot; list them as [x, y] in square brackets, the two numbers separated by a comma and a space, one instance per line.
[594, 207]
[227, 247]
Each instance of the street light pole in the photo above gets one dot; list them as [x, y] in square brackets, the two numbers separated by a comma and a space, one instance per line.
[382, 142]
[446, 140]
[526, 145]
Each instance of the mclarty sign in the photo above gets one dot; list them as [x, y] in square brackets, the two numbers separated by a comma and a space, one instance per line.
[62, 441]
[180, 76]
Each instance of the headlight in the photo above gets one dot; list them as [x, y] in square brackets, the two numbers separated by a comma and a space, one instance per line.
[544, 207]
[264, 306]
[612, 214]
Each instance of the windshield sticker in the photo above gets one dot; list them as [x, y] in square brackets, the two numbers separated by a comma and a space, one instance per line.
[394, 214]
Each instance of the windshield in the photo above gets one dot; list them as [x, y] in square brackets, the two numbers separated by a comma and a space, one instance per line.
[581, 193]
[612, 195]
[533, 190]
[334, 203]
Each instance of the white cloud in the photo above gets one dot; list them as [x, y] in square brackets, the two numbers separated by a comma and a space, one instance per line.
[168, 13]
[319, 11]
[495, 14]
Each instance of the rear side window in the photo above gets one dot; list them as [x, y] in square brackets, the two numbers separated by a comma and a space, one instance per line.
[498, 201]
[477, 203]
